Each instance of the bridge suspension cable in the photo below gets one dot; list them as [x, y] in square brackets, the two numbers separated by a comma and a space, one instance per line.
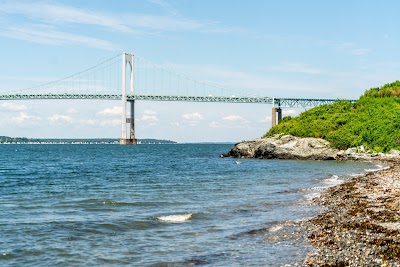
[103, 78]
[150, 79]
[152, 82]
[154, 79]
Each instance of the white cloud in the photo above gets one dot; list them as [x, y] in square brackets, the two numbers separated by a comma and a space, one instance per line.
[13, 106]
[57, 14]
[48, 35]
[56, 118]
[234, 118]
[117, 110]
[193, 116]
[100, 123]
[149, 116]
[289, 112]
[72, 111]
[165, 5]
[150, 112]
[23, 117]
[53, 24]
[267, 119]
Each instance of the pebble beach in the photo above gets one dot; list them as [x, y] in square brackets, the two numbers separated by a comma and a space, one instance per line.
[360, 223]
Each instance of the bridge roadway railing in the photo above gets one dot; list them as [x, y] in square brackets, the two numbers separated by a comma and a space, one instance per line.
[277, 102]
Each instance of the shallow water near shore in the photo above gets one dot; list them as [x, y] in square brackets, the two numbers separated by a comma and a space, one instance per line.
[155, 205]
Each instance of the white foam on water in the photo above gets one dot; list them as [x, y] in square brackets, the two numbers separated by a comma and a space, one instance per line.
[311, 196]
[276, 228]
[316, 191]
[380, 168]
[333, 180]
[175, 218]
[371, 170]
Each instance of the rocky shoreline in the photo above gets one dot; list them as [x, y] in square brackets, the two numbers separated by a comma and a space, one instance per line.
[291, 147]
[361, 222]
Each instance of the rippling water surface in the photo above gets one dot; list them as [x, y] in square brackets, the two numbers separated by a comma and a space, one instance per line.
[154, 205]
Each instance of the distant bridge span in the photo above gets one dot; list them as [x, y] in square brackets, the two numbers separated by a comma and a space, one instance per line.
[75, 81]
[276, 102]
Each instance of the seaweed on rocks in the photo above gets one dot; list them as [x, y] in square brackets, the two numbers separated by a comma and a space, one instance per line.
[361, 222]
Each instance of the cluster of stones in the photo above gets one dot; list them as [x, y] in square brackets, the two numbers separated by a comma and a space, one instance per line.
[360, 153]
[361, 224]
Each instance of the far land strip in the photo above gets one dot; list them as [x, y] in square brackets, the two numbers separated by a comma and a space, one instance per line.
[360, 224]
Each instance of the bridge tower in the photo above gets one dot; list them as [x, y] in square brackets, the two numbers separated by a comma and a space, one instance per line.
[276, 110]
[125, 140]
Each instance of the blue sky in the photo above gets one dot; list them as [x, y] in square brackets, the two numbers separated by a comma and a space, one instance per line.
[305, 49]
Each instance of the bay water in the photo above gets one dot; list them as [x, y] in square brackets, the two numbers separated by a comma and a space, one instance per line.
[156, 205]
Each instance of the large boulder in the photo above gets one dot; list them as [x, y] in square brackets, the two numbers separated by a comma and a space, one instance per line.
[284, 147]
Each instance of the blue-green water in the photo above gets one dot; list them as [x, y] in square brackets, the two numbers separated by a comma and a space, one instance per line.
[91, 205]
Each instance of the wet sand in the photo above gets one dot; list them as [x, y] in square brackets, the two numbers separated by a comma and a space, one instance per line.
[360, 225]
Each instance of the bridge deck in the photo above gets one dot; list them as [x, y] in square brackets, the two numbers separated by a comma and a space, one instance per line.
[279, 102]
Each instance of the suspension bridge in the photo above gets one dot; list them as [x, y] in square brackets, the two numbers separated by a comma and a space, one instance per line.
[149, 82]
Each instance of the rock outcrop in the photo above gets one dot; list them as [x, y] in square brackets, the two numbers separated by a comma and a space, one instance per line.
[291, 147]
[284, 147]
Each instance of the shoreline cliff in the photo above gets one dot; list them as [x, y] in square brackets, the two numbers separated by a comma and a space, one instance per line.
[291, 147]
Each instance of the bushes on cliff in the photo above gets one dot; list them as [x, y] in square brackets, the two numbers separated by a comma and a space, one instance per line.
[388, 90]
[373, 121]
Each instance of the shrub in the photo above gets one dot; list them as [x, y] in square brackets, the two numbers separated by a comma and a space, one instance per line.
[373, 121]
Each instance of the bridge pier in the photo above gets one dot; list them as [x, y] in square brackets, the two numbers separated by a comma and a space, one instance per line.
[131, 121]
[275, 111]
[131, 140]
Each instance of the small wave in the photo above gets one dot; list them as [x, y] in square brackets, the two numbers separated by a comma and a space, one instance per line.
[379, 168]
[315, 192]
[375, 170]
[276, 228]
[312, 196]
[175, 218]
[333, 180]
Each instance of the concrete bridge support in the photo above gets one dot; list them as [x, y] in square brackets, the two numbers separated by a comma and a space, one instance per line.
[127, 59]
[274, 112]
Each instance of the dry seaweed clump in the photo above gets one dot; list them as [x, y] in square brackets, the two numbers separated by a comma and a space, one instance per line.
[361, 224]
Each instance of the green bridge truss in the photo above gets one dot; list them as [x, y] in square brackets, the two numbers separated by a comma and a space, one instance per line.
[278, 102]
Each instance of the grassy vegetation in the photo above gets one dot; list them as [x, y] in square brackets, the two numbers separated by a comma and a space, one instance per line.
[373, 121]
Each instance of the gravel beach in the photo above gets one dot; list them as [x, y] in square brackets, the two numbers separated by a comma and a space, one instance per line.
[360, 225]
